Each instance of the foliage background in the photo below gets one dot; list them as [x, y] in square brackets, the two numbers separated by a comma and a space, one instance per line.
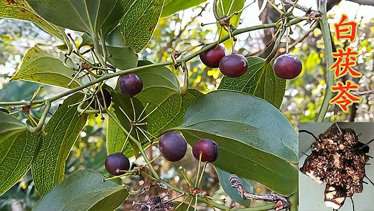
[179, 32]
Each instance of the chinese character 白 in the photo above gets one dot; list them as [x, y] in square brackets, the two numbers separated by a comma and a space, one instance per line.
[346, 29]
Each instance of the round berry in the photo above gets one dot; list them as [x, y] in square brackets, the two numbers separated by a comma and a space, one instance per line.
[212, 57]
[233, 65]
[117, 161]
[287, 66]
[208, 148]
[130, 84]
[172, 146]
[104, 98]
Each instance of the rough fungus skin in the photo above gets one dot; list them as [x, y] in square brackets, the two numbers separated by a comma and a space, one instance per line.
[338, 159]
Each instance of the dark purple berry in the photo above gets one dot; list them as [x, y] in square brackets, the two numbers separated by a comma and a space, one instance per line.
[117, 161]
[233, 65]
[208, 148]
[130, 84]
[172, 146]
[104, 100]
[212, 57]
[287, 66]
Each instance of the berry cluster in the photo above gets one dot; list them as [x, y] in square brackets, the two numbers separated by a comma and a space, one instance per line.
[286, 66]
[173, 148]
[338, 159]
[233, 65]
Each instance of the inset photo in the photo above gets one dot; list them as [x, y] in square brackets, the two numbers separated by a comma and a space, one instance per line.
[336, 166]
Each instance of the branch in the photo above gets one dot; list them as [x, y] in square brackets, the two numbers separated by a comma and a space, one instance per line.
[329, 60]
[307, 10]
[135, 69]
[280, 202]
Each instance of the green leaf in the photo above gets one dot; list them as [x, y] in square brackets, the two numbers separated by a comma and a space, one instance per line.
[122, 57]
[139, 22]
[10, 126]
[166, 106]
[224, 180]
[260, 80]
[255, 140]
[229, 7]
[91, 16]
[115, 139]
[173, 6]
[115, 135]
[63, 129]
[20, 9]
[84, 190]
[16, 155]
[40, 66]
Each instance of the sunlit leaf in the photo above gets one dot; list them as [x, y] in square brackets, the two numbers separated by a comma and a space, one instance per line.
[173, 6]
[20, 9]
[42, 67]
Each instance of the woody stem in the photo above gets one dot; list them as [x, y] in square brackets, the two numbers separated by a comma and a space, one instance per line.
[329, 61]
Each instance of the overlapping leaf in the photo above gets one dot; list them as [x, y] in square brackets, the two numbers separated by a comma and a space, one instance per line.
[63, 129]
[91, 16]
[20, 9]
[224, 181]
[115, 136]
[83, 190]
[10, 126]
[173, 6]
[255, 140]
[260, 80]
[229, 7]
[166, 105]
[16, 155]
[139, 22]
[40, 66]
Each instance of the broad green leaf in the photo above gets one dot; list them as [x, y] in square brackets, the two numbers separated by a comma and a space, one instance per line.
[83, 190]
[166, 106]
[224, 181]
[119, 55]
[40, 66]
[173, 6]
[63, 129]
[255, 140]
[123, 110]
[260, 80]
[20, 9]
[140, 21]
[122, 57]
[229, 7]
[16, 155]
[9, 127]
[115, 139]
[91, 16]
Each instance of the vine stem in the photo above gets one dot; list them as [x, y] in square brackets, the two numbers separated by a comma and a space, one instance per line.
[329, 60]
[135, 69]
[136, 142]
